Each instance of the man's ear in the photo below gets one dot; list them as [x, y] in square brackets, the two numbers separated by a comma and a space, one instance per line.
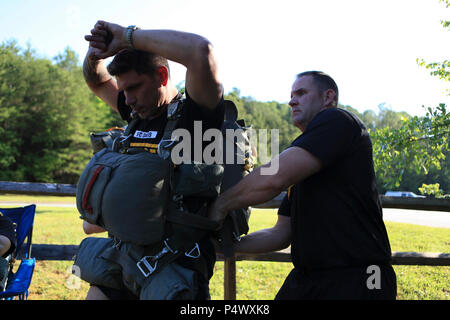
[329, 96]
[163, 74]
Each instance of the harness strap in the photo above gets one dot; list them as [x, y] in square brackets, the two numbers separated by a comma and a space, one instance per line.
[192, 220]
[136, 264]
[94, 177]
[127, 263]
[122, 143]
[131, 125]
[173, 115]
[226, 237]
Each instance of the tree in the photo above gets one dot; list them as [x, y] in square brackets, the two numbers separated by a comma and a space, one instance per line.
[420, 144]
[439, 69]
[46, 114]
[265, 115]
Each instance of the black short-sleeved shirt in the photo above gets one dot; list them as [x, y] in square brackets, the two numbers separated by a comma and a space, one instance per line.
[148, 134]
[336, 214]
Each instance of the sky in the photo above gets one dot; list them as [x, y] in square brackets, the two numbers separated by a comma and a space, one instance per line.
[369, 47]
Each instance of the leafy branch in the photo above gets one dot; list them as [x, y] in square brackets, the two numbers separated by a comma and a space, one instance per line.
[419, 144]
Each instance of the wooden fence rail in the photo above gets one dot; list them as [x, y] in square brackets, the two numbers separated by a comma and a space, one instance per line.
[428, 204]
[49, 189]
[67, 252]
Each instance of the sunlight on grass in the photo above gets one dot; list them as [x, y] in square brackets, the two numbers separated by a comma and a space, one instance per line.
[6, 197]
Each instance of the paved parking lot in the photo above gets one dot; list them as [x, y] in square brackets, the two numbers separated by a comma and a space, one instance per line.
[426, 218]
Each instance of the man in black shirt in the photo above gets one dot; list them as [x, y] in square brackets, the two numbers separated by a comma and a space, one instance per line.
[142, 87]
[331, 215]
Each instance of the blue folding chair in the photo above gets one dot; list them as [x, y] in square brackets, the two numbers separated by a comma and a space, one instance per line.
[18, 282]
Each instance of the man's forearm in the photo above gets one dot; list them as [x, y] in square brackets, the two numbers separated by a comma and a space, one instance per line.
[261, 241]
[95, 72]
[253, 189]
[293, 165]
[182, 47]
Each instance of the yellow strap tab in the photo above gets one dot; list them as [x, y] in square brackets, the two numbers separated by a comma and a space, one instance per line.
[143, 144]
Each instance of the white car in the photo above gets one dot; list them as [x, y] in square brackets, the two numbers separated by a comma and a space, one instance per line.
[402, 194]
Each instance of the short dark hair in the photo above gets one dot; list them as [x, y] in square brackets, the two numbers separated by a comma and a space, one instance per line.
[142, 62]
[323, 81]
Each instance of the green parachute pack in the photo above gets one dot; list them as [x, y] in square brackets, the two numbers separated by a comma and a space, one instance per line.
[155, 210]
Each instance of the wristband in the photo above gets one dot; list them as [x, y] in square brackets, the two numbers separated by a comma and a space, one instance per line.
[129, 35]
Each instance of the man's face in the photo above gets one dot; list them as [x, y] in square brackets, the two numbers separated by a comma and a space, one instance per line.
[306, 101]
[142, 93]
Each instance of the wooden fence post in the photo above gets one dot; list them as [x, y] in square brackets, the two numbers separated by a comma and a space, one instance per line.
[230, 278]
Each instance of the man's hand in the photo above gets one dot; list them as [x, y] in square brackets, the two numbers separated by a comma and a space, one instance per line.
[93, 54]
[105, 40]
[89, 228]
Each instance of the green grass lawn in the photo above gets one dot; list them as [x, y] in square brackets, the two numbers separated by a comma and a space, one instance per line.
[36, 198]
[255, 280]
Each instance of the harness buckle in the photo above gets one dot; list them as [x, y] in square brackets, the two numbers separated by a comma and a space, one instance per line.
[194, 253]
[168, 247]
[117, 243]
[236, 236]
[148, 260]
[165, 146]
[150, 268]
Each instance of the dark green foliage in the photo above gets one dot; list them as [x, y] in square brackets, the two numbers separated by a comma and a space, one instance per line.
[266, 115]
[46, 114]
[414, 151]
